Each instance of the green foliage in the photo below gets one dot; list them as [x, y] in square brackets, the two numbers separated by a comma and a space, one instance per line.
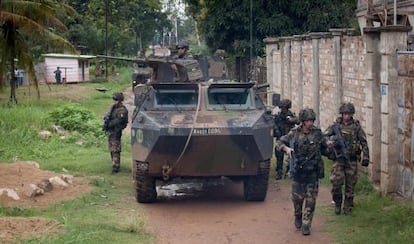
[74, 117]
[376, 219]
[11, 212]
[364, 186]
[226, 24]
[23, 21]
[131, 25]
[108, 214]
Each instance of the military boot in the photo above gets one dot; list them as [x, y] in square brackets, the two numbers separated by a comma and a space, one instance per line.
[279, 175]
[115, 169]
[348, 203]
[338, 203]
[306, 230]
[298, 221]
[337, 209]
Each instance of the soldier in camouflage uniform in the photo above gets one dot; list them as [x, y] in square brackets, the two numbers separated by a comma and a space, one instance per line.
[182, 49]
[305, 144]
[344, 169]
[284, 121]
[115, 121]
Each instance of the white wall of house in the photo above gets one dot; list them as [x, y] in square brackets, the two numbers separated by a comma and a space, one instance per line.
[75, 68]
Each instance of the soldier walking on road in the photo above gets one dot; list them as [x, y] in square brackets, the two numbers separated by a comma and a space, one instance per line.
[348, 140]
[305, 145]
[285, 120]
[114, 122]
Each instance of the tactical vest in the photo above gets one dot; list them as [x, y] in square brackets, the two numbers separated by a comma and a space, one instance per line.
[350, 134]
[308, 150]
[121, 115]
[282, 123]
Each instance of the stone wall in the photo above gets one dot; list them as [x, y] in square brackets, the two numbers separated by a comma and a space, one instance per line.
[405, 142]
[292, 68]
[322, 70]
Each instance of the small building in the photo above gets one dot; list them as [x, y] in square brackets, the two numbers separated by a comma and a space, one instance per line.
[75, 68]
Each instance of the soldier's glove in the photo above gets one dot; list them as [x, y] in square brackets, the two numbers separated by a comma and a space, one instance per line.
[365, 163]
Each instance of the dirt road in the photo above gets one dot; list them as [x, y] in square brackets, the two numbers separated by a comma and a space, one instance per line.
[219, 214]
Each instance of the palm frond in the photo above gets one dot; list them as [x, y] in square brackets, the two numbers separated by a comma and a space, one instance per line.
[23, 20]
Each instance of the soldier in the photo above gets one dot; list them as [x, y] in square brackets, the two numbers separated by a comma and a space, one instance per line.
[114, 122]
[348, 140]
[305, 144]
[284, 121]
[182, 48]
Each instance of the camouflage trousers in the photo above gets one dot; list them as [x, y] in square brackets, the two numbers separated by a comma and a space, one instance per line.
[114, 147]
[305, 193]
[279, 160]
[344, 173]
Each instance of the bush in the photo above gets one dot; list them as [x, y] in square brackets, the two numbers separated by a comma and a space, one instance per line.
[74, 117]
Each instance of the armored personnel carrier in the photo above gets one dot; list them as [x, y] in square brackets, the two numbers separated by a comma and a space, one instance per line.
[191, 129]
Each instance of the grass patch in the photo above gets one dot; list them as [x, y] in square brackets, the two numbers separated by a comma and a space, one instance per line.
[375, 219]
[102, 216]
[110, 213]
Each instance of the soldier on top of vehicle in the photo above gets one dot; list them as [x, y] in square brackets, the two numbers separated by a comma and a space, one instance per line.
[182, 49]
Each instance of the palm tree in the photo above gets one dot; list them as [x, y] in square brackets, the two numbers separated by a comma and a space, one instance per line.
[21, 21]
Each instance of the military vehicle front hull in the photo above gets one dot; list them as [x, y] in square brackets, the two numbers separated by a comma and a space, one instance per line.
[209, 152]
[191, 130]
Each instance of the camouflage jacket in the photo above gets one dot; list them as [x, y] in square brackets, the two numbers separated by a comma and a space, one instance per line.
[283, 125]
[308, 149]
[354, 137]
[117, 120]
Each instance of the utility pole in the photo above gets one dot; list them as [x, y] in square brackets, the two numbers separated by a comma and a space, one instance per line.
[106, 38]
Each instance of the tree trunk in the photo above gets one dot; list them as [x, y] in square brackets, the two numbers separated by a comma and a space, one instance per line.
[10, 31]
[13, 82]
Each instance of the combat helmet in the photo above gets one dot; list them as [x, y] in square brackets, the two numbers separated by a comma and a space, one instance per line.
[347, 108]
[118, 96]
[307, 114]
[182, 44]
[285, 103]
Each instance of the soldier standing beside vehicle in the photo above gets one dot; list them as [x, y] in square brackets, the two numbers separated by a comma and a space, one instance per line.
[285, 120]
[348, 140]
[305, 144]
[114, 122]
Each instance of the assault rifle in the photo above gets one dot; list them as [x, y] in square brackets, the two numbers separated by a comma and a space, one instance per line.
[293, 160]
[105, 126]
[297, 163]
[341, 148]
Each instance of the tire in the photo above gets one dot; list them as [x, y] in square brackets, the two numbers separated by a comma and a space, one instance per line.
[145, 191]
[255, 186]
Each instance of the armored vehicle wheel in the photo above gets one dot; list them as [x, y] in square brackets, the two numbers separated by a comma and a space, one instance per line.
[145, 191]
[255, 186]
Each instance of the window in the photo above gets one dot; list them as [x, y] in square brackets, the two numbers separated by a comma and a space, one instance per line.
[176, 98]
[229, 98]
